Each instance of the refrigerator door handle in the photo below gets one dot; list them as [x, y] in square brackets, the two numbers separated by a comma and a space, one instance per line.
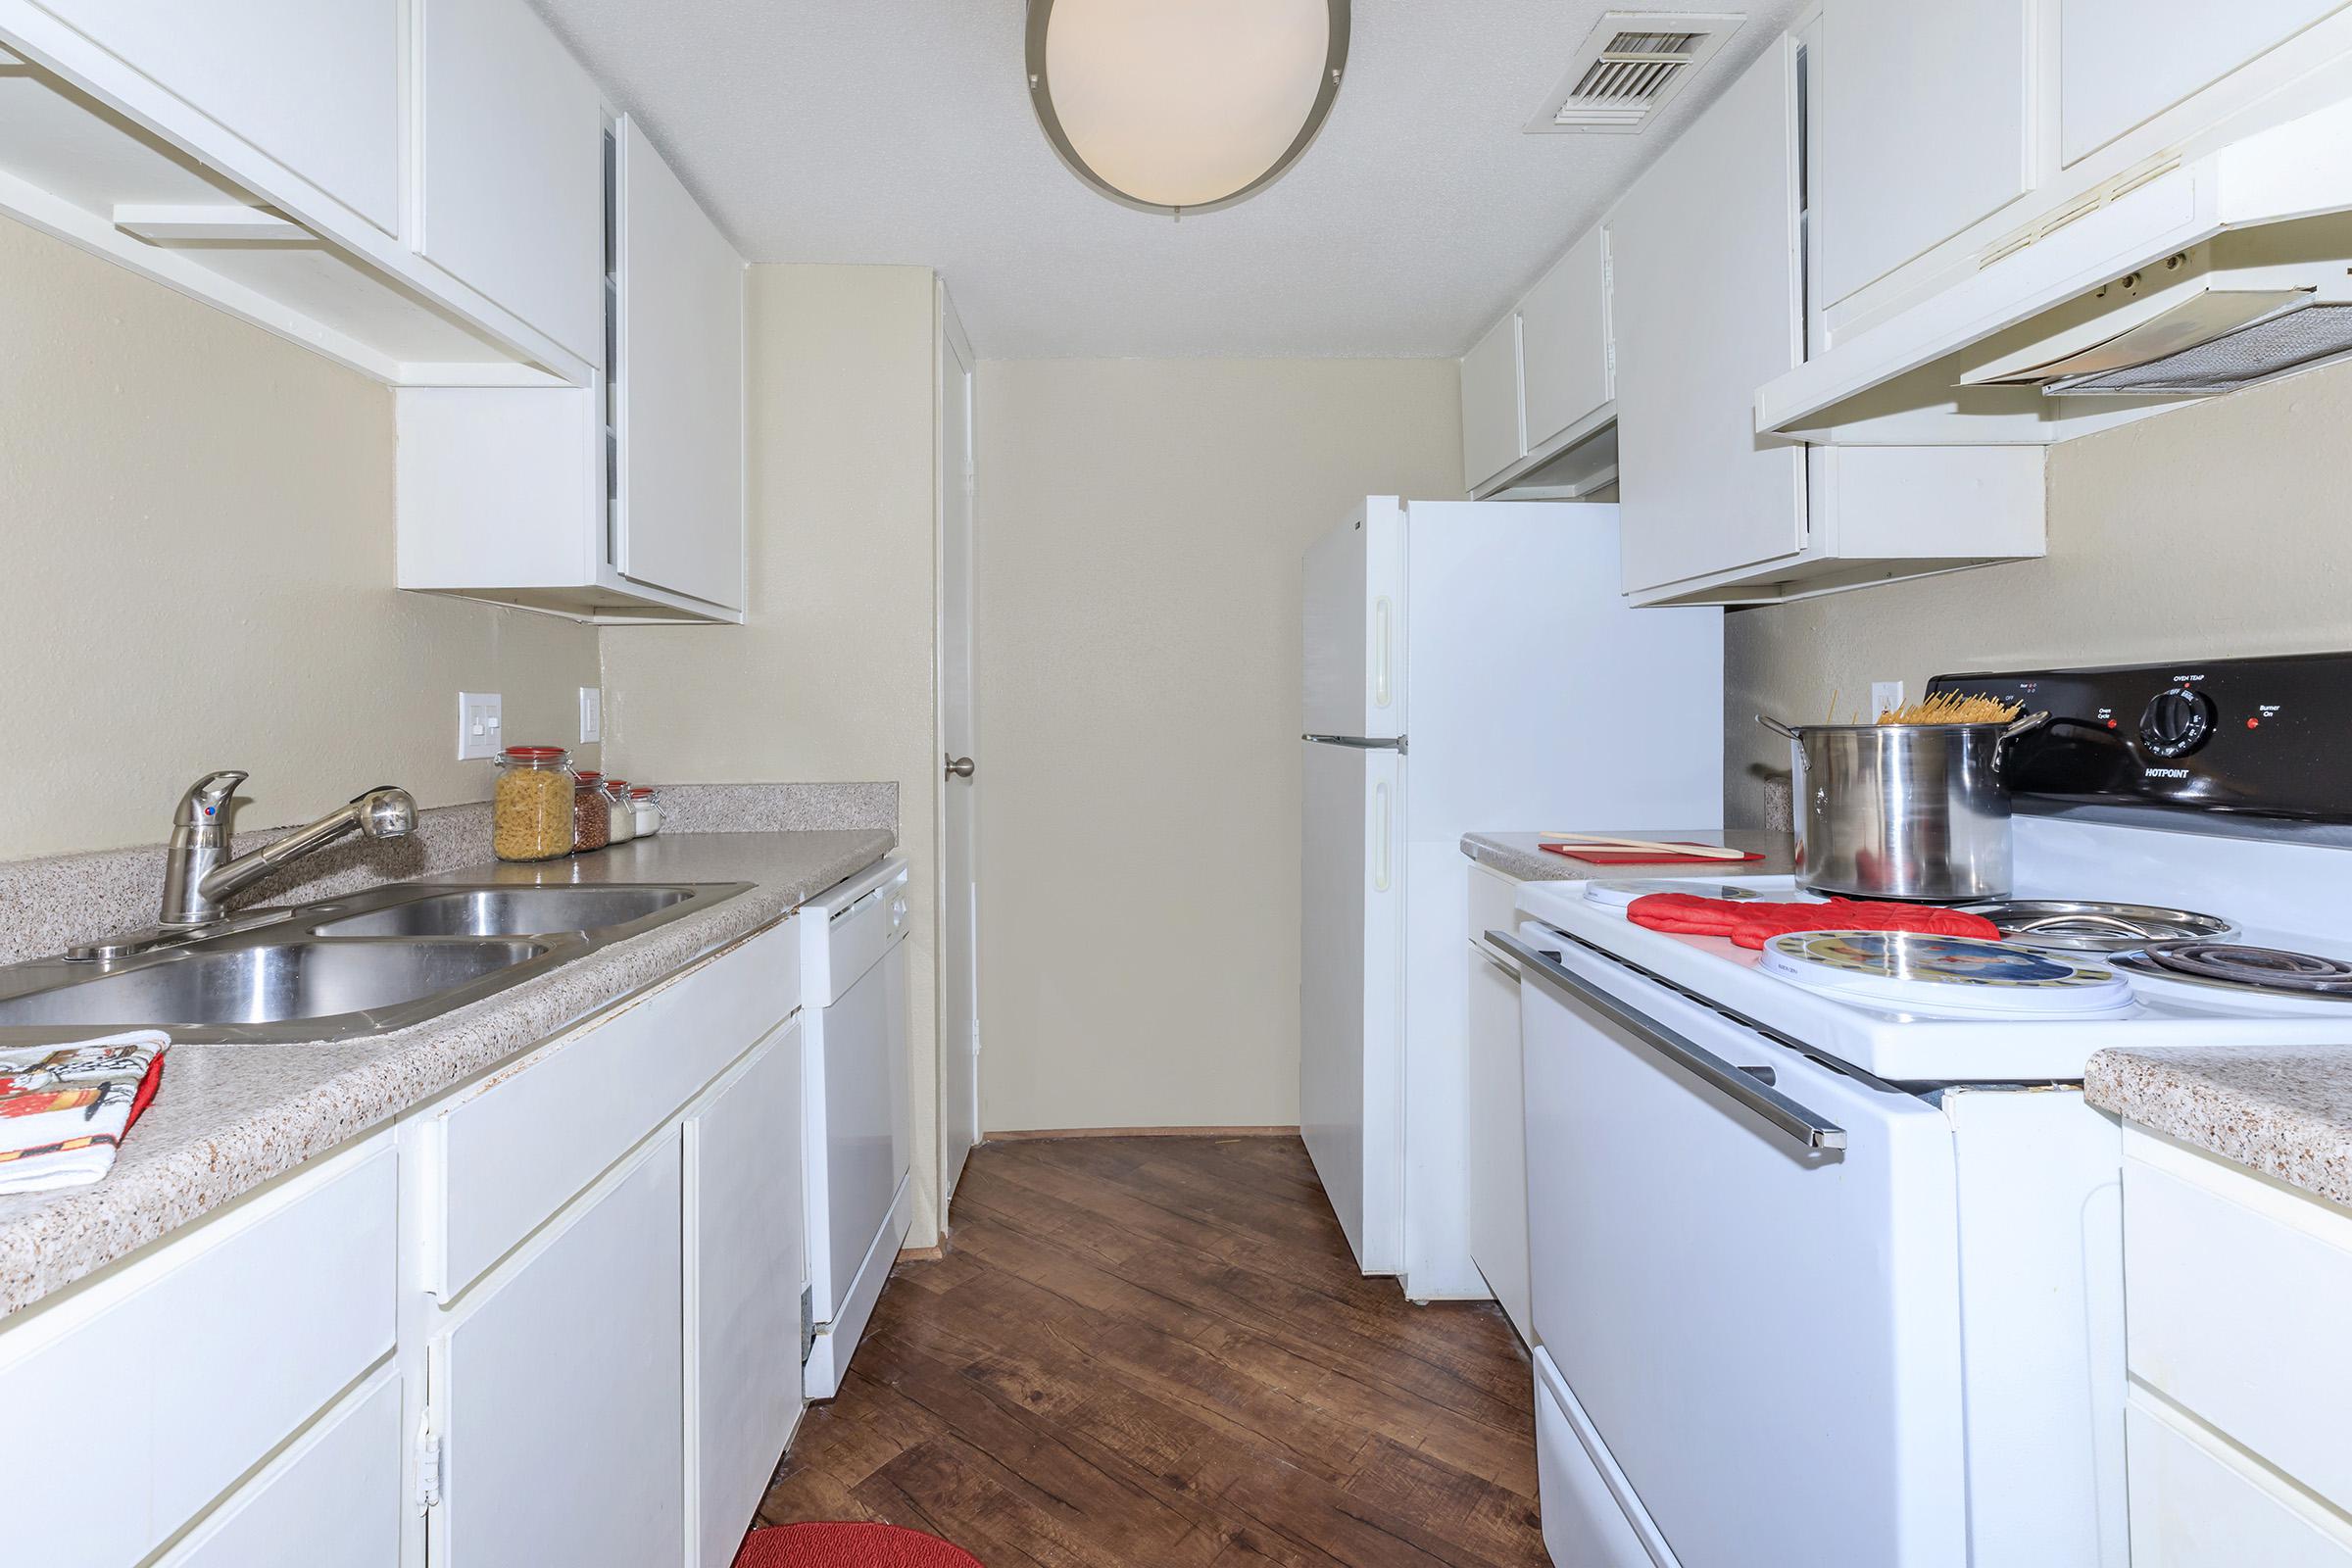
[1379, 652]
[1362, 743]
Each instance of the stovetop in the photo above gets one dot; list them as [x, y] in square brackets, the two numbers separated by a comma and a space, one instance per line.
[2273, 894]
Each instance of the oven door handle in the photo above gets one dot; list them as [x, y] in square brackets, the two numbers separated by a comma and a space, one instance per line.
[1786, 1115]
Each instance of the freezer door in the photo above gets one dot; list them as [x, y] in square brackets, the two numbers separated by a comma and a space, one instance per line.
[1353, 615]
[1762, 1327]
[1351, 993]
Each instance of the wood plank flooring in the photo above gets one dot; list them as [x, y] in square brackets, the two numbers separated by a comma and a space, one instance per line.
[1157, 1351]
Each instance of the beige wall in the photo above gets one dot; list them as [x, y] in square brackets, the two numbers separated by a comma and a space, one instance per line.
[2217, 529]
[196, 572]
[1140, 530]
[832, 676]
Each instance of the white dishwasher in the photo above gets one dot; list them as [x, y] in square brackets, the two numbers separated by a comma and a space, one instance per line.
[854, 1051]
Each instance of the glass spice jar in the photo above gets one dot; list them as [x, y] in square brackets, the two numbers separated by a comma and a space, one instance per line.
[532, 804]
[591, 814]
[647, 808]
[624, 816]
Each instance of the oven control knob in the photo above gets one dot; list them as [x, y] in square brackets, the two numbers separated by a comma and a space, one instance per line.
[2177, 722]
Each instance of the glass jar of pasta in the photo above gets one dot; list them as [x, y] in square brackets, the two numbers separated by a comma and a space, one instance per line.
[532, 804]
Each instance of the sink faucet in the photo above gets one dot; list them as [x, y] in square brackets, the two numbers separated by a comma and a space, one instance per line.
[199, 873]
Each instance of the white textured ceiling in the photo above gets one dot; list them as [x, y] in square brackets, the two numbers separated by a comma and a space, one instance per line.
[900, 132]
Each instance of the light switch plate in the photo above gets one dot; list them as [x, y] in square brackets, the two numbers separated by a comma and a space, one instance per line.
[1885, 696]
[592, 714]
[480, 718]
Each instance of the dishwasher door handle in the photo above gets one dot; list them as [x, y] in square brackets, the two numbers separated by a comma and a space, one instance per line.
[1739, 1085]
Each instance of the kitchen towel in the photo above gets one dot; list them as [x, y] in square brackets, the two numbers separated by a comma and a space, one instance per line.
[64, 1109]
[1752, 924]
[1592, 855]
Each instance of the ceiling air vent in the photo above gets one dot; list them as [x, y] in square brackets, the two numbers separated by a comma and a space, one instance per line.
[1634, 63]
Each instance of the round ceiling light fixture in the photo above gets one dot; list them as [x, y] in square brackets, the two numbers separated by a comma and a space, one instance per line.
[1182, 106]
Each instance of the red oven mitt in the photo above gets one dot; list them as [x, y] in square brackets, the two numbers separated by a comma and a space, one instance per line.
[1752, 925]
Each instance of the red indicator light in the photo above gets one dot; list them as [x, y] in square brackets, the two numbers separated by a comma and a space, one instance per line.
[2253, 723]
[2111, 724]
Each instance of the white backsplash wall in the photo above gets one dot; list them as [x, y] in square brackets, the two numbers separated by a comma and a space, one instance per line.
[2221, 528]
[196, 573]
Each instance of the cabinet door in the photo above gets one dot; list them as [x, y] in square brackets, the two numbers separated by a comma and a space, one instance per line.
[2123, 62]
[1497, 1132]
[681, 386]
[1920, 125]
[1707, 308]
[332, 1498]
[745, 1269]
[1564, 341]
[560, 1390]
[316, 86]
[1490, 421]
[513, 168]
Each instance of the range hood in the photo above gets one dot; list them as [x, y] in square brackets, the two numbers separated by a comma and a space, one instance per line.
[2193, 279]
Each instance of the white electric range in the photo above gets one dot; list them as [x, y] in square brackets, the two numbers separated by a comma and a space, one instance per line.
[1826, 1248]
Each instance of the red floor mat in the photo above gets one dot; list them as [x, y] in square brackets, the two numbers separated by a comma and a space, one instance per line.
[862, 1545]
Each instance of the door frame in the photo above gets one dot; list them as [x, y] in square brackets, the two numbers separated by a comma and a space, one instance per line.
[953, 1033]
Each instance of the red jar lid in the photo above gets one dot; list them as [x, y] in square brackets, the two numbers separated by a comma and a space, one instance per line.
[535, 754]
[641, 790]
[590, 778]
[617, 783]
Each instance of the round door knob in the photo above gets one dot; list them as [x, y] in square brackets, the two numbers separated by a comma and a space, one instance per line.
[960, 767]
[2177, 722]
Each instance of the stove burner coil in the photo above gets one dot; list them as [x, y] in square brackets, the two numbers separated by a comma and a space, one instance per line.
[2073, 926]
[2261, 968]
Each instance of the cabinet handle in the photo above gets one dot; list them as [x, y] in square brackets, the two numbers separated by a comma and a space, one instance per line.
[1379, 652]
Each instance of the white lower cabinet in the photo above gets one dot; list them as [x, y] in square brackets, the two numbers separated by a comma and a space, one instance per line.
[558, 1388]
[744, 1271]
[137, 1401]
[332, 1501]
[1497, 1131]
[2236, 1290]
[2198, 1503]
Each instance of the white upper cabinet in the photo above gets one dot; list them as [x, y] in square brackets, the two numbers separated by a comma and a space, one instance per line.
[512, 186]
[314, 86]
[621, 502]
[1564, 342]
[1706, 310]
[2123, 62]
[1491, 435]
[1921, 125]
[680, 383]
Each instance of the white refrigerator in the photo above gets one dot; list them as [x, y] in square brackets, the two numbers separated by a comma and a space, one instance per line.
[1469, 665]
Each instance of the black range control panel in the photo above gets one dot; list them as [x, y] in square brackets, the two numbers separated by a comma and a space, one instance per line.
[2258, 737]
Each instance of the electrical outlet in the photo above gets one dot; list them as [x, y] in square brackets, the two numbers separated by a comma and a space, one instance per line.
[1885, 696]
[479, 718]
[592, 714]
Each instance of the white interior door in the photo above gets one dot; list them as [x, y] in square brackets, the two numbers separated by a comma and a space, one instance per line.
[960, 795]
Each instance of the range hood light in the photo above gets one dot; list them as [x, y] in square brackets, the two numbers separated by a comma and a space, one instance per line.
[1176, 106]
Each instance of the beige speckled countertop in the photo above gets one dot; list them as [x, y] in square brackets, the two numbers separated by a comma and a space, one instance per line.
[2286, 1113]
[1516, 854]
[230, 1118]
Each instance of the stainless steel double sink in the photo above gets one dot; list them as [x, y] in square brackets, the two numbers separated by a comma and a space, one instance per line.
[364, 964]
